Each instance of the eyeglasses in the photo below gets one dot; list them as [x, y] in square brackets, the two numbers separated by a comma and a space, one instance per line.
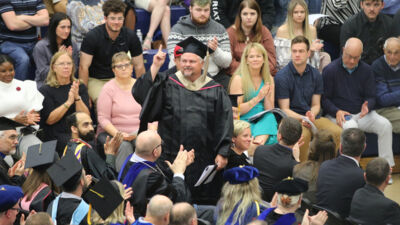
[64, 64]
[162, 143]
[122, 66]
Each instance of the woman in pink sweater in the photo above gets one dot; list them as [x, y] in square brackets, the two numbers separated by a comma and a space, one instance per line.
[117, 110]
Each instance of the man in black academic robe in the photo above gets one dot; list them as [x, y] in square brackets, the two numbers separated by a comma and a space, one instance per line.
[141, 172]
[82, 131]
[193, 110]
[8, 143]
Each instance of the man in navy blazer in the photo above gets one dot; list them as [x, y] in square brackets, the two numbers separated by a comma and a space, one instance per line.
[369, 204]
[339, 178]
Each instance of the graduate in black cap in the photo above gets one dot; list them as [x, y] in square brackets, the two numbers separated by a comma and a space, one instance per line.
[240, 202]
[289, 193]
[69, 207]
[192, 110]
[8, 144]
[39, 188]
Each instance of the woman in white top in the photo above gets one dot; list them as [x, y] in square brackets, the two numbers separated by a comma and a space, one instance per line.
[20, 101]
[297, 24]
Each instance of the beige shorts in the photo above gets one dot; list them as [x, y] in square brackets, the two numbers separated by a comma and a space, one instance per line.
[95, 86]
[142, 4]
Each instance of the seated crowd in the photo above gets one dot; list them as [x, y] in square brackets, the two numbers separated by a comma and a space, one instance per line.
[242, 128]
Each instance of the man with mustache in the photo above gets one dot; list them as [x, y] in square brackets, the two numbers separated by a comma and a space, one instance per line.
[199, 25]
[82, 132]
[8, 144]
[370, 26]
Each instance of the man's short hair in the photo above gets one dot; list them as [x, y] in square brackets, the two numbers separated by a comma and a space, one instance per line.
[72, 183]
[200, 3]
[113, 6]
[182, 214]
[159, 206]
[40, 218]
[300, 39]
[385, 45]
[377, 171]
[290, 130]
[353, 142]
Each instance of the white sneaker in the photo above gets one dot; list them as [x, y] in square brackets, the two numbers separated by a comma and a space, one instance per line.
[391, 181]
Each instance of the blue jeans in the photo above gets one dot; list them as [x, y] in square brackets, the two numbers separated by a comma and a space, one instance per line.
[21, 53]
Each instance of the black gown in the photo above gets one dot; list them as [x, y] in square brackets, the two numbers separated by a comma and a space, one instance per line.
[5, 179]
[201, 120]
[151, 182]
[65, 209]
[92, 163]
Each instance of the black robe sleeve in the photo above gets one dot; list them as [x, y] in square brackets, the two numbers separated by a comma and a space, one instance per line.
[96, 166]
[224, 124]
[149, 95]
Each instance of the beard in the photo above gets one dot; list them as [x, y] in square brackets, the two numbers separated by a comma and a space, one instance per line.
[200, 22]
[12, 152]
[89, 136]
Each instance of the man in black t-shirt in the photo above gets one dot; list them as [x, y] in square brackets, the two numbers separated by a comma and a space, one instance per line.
[101, 43]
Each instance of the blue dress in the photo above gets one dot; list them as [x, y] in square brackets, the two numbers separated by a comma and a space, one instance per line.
[267, 125]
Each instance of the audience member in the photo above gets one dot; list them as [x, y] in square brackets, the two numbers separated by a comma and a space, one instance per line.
[297, 24]
[349, 97]
[338, 12]
[246, 29]
[39, 189]
[199, 25]
[69, 207]
[288, 199]
[101, 43]
[369, 204]
[21, 102]
[58, 39]
[395, 24]
[9, 204]
[387, 72]
[322, 148]
[18, 35]
[110, 210]
[141, 172]
[85, 15]
[334, 191]
[224, 12]
[193, 111]
[183, 214]
[240, 201]
[157, 213]
[370, 26]
[82, 132]
[276, 162]
[63, 95]
[117, 110]
[8, 144]
[256, 83]
[40, 218]
[241, 141]
[299, 87]
[160, 16]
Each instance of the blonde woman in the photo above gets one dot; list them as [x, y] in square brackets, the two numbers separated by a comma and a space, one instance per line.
[241, 197]
[297, 24]
[254, 81]
[63, 95]
[241, 141]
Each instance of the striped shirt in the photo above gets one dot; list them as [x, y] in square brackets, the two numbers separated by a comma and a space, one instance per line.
[338, 11]
[25, 7]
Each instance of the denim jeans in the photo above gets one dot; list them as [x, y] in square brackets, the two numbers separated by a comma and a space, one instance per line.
[21, 53]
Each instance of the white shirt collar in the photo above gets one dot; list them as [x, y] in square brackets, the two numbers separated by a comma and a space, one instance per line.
[355, 160]
[136, 158]
[69, 195]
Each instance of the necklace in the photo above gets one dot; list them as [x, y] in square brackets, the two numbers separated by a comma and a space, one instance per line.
[157, 169]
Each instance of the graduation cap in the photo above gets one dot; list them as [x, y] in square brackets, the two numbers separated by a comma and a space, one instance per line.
[65, 169]
[7, 124]
[292, 186]
[104, 197]
[194, 46]
[241, 174]
[233, 98]
[41, 154]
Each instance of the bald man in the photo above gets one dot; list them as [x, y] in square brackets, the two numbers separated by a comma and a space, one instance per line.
[183, 214]
[387, 74]
[141, 172]
[157, 212]
[349, 97]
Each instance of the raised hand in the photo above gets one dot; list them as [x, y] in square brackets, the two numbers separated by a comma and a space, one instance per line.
[340, 117]
[213, 43]
[111, 146]
[179, 165]
[159, 58]
[129, 210]
[364, 109]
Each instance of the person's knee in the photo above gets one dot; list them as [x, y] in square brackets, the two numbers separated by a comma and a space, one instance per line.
[350, 124]
[167, 11]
